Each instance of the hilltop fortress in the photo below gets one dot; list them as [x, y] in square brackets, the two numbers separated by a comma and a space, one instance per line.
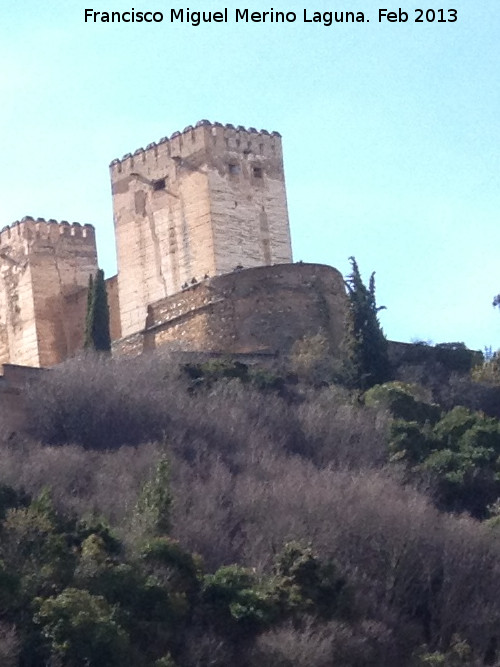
[204, 258]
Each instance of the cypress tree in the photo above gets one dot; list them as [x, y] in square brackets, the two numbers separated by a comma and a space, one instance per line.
[97, 336]
[366, 344]
[87, 344]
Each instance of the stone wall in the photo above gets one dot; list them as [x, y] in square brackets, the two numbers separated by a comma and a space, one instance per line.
[114, 307]
[264, 309]
[198, 203]
[43, 267]
[447, 357]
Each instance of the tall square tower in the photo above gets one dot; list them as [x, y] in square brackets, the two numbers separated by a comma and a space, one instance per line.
[200, 203]
[44, 274]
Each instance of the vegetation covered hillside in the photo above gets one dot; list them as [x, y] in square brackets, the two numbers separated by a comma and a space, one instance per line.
[156, 513]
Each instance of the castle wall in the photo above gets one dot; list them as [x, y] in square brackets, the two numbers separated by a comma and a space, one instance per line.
[43, 264]
[264, 309]
[200, 203]
[75, 306]
[114, 307]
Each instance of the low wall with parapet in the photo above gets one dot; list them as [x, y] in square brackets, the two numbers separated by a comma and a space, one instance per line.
[444, 357]
[264, 309]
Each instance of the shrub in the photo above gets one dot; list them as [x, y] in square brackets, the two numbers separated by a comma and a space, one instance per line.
[403, 401]
[98, 403]
[82, 630]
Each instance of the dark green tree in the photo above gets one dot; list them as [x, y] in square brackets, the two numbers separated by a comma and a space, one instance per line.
[82, 629]
[97, 335]
[155, 501]
[365, 345]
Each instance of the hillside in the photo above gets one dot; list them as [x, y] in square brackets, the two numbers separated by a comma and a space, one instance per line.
[160, 513]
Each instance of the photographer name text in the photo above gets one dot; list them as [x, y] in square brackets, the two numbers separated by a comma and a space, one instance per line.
[308, 16]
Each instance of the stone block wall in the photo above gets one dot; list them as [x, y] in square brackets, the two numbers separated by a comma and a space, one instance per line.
[114, 307]
[264, 309]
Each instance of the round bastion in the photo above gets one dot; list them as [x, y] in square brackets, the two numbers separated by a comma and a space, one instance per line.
[248, 311]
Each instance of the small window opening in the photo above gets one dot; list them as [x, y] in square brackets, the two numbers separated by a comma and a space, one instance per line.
[234, 168]
[257, 172]
[160, 184]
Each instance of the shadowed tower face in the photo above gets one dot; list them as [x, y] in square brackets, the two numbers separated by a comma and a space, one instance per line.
[201, 203]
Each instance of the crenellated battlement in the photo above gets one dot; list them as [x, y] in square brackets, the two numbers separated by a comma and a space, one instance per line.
[32, 229]
[203, 137]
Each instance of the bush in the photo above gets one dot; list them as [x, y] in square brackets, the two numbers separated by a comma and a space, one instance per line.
[403, 401]
[460, 455]
[98, 403]
[82, 630]
[312, 548]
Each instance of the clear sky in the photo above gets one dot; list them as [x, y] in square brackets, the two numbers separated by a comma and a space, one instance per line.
[391, 134]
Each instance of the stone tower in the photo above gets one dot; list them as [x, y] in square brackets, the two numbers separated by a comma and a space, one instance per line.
[44, 270]
[199, 203]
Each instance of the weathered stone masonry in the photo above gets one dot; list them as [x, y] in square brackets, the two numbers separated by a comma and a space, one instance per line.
[43, 265]
[265, 309]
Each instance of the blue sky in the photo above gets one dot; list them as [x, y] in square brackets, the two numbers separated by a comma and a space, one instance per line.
[390, 134]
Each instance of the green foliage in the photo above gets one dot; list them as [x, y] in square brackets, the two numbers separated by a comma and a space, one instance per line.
[97, 334]
[458, 655]
[460, 453]
[233, 594]
[10, 498]
[36, 548]
[151, 601]
[410, 442]
[456, 357]
[98, 527]
[302, 584]
[311, 359]
[365, 344]
[403, 402]
[305, 584]
[488, 372]
[83, 629]
[216, 369]
[166, 557]
[166, 661]
[206, 374]
[155, 501]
